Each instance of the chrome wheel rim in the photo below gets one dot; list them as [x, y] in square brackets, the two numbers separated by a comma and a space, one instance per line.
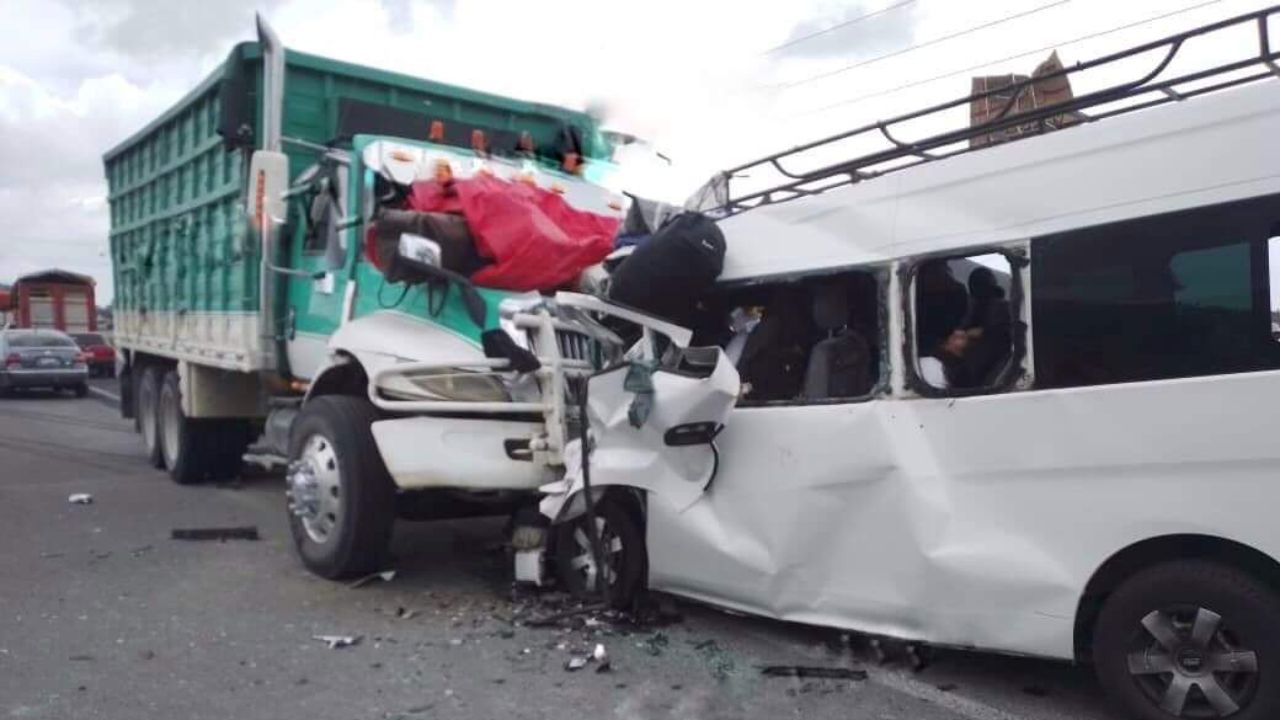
[1190, 664]
[583, 561]
[315, 489]
[170, 415]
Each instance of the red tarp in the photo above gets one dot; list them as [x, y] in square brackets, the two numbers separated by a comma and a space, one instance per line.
[536, 240]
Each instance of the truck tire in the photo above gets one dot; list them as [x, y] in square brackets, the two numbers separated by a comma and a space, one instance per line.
[1191, 639]
[341, 498]
[147, 406]
[180, 440]
[622, 543]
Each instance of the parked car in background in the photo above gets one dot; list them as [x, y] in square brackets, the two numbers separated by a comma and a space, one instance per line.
[42, 359]
[101, 357]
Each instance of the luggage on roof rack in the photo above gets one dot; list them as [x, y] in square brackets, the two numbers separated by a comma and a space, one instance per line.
[718, 198]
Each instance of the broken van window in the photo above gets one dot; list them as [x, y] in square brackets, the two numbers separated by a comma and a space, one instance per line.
[964, 328]
[807, 340]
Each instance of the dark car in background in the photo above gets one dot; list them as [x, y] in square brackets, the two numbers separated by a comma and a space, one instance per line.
[101, 357]
[42, 359]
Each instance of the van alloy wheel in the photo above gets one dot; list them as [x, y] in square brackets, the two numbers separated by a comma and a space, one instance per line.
[315, 488]
[1190, 664]
[583, 560]
[621, 543]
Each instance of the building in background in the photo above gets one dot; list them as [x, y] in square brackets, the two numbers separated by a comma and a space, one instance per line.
[1049, 86]
[54, 299]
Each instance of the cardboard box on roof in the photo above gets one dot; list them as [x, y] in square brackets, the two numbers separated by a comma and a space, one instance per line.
[1046, 88]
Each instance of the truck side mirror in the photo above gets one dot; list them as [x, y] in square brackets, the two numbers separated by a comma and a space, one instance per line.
[268, 183]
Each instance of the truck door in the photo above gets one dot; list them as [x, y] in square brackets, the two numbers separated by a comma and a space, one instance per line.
[318, 248]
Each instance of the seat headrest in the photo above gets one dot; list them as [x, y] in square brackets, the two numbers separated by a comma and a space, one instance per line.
[830, 306]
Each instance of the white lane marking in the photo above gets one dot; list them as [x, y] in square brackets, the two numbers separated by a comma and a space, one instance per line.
[103, 393]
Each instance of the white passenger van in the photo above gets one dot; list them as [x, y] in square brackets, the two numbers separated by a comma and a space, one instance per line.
[1022, 399]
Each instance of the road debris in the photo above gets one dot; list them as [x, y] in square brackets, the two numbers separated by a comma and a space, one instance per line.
[221, 534]
[385, 575]
[80, 499]
[338, 641]
[1036, 690]
[575, 663]
[601, 656]
[808, 672]
[405, 613]
[655, 643]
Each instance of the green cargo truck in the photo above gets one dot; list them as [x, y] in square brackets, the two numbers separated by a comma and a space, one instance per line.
[250, 324]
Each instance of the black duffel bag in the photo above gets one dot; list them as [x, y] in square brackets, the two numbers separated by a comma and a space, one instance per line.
[667, 275]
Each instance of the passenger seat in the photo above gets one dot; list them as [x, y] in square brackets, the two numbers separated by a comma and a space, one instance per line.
[839, 366]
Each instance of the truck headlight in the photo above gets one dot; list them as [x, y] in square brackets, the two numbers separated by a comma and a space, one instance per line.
[455, 385]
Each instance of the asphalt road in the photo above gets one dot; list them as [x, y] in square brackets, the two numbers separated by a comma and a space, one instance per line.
[102, 615]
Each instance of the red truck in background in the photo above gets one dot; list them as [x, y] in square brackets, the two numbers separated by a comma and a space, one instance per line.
[64, 301]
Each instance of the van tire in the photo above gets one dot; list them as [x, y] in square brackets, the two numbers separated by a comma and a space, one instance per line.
[619, 529]
[184, 445]
[332, 456]
[147, 408]
[1171, 599]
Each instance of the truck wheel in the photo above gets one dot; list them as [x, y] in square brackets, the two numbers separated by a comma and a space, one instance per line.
[147, 407]
[183, 442]
[622, 544]
[1191, 639]
[341, 498]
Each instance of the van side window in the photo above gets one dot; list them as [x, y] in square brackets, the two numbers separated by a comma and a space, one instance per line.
[802, 341]
[1177, 295]
[964, 325]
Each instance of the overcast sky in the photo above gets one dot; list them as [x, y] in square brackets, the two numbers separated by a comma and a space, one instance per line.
[709, 82]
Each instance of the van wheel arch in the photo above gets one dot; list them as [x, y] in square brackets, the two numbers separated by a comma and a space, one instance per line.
[1153, 551]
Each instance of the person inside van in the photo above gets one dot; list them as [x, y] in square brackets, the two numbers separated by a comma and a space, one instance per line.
[945, 366]
[988, 326]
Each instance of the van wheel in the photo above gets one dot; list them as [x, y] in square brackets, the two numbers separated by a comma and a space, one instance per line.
[621, 543]
[1191, 639]
[147, 407]
[341, 498]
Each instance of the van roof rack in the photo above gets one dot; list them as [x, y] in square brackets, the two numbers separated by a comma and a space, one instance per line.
[717, 197]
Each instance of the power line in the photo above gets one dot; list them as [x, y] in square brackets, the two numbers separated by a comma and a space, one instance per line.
[912, 48]
[837, 26]
[971, 68]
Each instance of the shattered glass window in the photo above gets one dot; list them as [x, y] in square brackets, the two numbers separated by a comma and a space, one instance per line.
[964, 321]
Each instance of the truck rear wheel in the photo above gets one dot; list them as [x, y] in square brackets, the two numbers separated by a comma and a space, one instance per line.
[341, 498]
[147, 407]
[1191, 639]
[180, 440]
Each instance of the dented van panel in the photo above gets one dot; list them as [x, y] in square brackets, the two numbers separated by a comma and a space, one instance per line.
[962, 521]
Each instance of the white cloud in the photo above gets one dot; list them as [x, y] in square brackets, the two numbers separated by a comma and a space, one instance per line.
[693, 77]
